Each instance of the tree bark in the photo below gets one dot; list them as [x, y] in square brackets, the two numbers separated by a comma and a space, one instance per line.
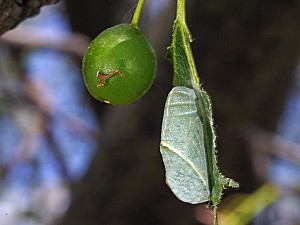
[12, 12]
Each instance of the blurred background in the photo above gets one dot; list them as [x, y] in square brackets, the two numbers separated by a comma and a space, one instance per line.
[68, 159]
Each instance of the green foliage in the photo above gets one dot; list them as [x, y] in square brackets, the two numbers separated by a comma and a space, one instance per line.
[194, 156]
[242, 208]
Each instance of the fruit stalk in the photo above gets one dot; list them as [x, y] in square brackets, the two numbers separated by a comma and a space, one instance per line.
[137, 13]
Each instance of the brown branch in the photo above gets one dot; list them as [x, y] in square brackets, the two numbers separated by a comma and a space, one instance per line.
[74, 43]
[263, 145]
[261, 140]
[12, 12]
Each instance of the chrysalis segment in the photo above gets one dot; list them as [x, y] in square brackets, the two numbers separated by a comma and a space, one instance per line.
[182, 147]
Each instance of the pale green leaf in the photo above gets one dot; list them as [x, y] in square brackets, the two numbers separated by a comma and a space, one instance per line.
[188, 144]
[182, 147]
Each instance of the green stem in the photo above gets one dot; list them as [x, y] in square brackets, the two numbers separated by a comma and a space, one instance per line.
[180, 16]
[215, 215]
[181, 10]
[137, 13]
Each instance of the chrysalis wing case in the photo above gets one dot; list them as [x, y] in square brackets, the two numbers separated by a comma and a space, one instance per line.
[182, 147]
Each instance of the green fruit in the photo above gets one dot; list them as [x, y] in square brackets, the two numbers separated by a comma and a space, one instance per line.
[119, 65]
